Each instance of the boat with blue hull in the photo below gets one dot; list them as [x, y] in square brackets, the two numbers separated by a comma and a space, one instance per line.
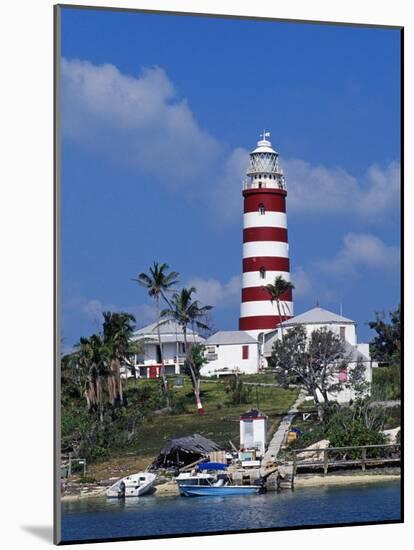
[203, 483]
[214, 491]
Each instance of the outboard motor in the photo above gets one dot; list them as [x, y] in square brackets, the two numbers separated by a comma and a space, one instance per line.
[262, 483]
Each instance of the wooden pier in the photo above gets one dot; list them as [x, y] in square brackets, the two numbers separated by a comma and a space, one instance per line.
[341, 458]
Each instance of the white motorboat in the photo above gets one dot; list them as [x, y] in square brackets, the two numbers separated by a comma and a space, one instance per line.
[134, 485]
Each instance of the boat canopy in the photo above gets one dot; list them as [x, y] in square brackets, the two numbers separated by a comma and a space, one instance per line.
[212, 466]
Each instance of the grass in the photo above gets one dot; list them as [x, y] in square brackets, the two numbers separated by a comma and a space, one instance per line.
[131, 437]
[261, 377]
[220, 421]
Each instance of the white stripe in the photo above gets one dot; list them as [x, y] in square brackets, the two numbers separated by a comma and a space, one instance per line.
[253, 278]
[270, 219]
[262, 307]
[275, 249]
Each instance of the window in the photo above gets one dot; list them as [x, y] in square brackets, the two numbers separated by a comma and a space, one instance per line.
[262, 273]
[262, 210]
[342, 333]
[260, 185]
[245, 352]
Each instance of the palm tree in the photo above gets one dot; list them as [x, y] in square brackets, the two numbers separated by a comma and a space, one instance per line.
[276, 291]
[187, 311]
[158, 282]
[118, 329]
[91, 355]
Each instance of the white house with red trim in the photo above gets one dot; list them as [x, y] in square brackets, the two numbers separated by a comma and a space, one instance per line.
[148, 363]
[231, 352]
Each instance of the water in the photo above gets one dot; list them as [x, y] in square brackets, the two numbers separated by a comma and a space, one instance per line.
[153, 516]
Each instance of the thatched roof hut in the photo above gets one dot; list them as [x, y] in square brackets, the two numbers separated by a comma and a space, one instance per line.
[182, 451]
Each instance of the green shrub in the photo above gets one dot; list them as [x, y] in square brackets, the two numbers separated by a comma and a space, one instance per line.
[238, 392]
[386, 383]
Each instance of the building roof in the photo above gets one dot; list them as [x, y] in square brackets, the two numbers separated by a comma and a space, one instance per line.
[251, 414]
[189, 447]
[170, 331]
[317, 315]
[264, 146]
[223, 337]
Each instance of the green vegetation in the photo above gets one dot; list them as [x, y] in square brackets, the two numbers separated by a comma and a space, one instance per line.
[386, 349]
[386, 346]
[142, 427]
[386, 383]
[238, 392]
[360, 423]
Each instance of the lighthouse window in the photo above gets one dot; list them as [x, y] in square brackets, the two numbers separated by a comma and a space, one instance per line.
[262, 210]
[262, 273]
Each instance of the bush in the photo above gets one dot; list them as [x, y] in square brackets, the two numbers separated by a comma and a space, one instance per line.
[386, 383]
[238, 392]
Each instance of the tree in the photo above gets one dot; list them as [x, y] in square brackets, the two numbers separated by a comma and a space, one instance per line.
[158, 282]
[187, 311]
[276, 292]
[118, 329]
[313, 362]
[91, 355]
[386, 346]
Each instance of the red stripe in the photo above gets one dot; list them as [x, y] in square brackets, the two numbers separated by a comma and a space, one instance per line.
[256, 293]
[258, 322]
[271, 202]
[265, 234]
[269, 263]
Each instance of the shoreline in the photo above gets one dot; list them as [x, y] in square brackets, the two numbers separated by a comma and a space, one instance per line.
[344, 479]
[170, 488]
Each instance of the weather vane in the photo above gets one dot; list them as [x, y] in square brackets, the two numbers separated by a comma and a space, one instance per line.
[265, 134]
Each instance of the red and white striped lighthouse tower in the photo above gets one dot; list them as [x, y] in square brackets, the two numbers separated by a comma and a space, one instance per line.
[265, 241]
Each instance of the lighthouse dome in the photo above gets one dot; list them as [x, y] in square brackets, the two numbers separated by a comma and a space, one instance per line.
[264, 169]
[264, 146]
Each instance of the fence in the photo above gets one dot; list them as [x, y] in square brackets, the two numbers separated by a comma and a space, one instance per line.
[336, 457]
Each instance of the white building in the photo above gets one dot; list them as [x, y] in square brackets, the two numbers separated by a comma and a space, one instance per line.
[148, 363]
[231, 352]
[318, 318]
[253, 431]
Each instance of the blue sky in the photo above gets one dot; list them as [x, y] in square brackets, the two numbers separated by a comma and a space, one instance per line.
[159, 113]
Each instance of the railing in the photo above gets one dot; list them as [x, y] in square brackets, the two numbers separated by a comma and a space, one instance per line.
[362, 455]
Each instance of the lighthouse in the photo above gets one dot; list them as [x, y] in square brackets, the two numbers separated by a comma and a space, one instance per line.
[265, 241]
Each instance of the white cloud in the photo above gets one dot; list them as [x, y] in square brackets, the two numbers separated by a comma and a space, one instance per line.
[226, 197]
[321, 190]
[139, 121]
[302, 282]
[215, 293]
[143, 123]
[362, 251]
[92, 309]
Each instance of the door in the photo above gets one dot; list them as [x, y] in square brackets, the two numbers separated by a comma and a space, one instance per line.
[248, 434]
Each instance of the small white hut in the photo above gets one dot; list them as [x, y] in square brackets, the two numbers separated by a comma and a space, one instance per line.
[253, 431]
